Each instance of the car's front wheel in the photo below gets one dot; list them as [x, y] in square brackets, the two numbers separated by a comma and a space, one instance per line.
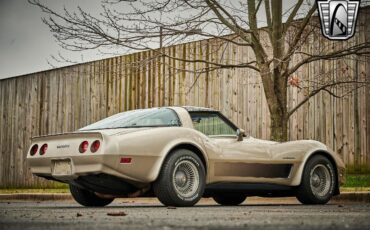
[87, 198]
[181, 181]
[318, 181]
[229, 199]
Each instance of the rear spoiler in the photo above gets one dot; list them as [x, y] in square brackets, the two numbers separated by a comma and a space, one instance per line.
[71, 134]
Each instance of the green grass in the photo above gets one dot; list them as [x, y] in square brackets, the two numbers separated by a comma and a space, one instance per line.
[357, 180]
[49, 185]
[33, 190]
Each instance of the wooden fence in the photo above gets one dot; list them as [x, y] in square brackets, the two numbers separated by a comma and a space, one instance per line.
[65, 99]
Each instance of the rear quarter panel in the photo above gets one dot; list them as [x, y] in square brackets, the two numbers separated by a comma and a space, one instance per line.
[149, 148]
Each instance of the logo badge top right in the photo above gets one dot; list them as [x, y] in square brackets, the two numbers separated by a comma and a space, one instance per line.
[338, 18]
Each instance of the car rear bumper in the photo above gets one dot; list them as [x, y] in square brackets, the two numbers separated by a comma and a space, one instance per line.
[141, 169]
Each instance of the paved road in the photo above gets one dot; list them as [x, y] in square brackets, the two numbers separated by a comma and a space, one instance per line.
[256, 213]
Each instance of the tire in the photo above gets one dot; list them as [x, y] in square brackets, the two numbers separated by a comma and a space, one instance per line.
[318, 181]
[181, 181]
[87, 198]
[229, 199]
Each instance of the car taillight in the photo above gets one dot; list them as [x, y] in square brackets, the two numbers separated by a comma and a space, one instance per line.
[43, 149]
[95, 146]
[84, 146]
[125, 160]
[34, 149]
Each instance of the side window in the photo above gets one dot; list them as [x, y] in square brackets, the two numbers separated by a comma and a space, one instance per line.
[211, 123]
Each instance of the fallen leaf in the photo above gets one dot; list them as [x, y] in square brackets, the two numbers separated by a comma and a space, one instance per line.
[116, 214]
[78, 214]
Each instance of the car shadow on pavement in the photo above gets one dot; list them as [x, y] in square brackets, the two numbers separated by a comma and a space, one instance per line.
[138, 206]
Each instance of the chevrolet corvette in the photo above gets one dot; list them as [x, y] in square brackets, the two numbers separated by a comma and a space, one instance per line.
[179, 155]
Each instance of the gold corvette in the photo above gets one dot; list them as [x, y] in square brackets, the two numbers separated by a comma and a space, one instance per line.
[181, 154]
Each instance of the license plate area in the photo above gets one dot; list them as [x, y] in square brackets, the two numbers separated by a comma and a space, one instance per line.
[62, 167]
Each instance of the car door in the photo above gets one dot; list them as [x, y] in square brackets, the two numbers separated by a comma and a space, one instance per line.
[231, 160]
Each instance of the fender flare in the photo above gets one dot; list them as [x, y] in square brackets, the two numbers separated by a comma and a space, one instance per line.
[296, 181]
[175, 144]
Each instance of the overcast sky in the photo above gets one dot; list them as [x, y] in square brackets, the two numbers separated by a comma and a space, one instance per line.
[26, 44]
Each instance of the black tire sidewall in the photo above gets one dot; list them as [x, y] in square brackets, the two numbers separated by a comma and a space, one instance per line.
[164, 187]
[197, 162]
[305, 185]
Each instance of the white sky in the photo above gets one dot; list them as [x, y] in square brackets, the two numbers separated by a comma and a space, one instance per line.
[26, 43]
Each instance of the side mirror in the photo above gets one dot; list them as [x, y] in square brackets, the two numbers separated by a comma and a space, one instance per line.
[240, 133]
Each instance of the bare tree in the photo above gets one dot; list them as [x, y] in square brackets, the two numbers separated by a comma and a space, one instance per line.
[138, 25]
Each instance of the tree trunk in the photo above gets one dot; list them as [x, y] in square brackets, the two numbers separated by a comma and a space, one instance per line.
[279, 118]
[275, 92]
[279, 126]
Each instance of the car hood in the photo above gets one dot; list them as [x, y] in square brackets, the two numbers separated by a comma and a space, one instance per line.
[305, 144]
[290, 149]
[259, 141]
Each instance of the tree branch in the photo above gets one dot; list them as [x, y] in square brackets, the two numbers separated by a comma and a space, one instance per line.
[356, 49]
[322, 88]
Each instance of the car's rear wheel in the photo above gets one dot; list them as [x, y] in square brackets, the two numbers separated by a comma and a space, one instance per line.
[232, 199]
[318, 181]
[87, 198]
[181, 181]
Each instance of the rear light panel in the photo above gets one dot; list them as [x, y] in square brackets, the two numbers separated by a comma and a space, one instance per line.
[43, 149]
[34, 149]
[84, 146]
[95, 146]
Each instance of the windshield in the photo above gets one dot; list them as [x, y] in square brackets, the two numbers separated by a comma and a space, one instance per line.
[157, 117]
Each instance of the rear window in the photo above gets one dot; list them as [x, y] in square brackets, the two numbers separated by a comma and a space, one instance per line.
[157, 117]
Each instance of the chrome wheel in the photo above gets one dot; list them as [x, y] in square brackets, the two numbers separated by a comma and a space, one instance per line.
[320, 180]
[185, 178]
[182, 179]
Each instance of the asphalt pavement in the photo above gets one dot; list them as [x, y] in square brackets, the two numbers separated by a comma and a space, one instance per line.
[148, 213]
